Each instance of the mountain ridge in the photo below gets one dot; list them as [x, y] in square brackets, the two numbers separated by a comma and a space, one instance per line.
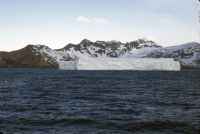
[41, 56]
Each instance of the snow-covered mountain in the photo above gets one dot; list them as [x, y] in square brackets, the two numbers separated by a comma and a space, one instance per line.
[187, 54]
[107, 48]
[42, 56]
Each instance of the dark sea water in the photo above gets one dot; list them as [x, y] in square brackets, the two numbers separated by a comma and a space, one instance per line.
[35, 101]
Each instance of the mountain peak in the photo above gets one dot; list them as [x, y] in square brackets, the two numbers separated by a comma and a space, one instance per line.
[37, 46]
[85, 41]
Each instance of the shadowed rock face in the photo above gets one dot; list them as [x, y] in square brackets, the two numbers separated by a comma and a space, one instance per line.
[25, 58]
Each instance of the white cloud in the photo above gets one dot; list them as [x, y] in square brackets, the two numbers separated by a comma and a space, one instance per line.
[94, 20]
[101, 20]
[83, 19]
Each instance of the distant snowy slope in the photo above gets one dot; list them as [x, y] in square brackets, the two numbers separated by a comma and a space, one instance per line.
[188, 54]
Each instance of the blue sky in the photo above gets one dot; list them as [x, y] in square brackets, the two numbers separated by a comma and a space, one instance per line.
[58, 22]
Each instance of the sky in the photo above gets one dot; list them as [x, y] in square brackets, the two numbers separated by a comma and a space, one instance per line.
[58, 22]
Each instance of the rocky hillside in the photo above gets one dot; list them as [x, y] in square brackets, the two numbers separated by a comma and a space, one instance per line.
[28, 57]
[40, 56]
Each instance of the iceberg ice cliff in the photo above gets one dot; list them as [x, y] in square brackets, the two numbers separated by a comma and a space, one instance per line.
[162, 64]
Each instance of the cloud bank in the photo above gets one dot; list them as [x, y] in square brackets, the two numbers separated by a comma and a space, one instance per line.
[94, 20]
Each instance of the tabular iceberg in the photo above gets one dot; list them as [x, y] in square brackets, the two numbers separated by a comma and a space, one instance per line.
[162, 64]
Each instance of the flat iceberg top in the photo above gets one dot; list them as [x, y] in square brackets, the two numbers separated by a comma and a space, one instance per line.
[167, 64]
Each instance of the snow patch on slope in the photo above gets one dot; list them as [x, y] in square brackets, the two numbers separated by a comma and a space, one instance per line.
[140, 53]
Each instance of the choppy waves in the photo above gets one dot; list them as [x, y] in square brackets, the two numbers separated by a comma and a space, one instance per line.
[102, 102]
